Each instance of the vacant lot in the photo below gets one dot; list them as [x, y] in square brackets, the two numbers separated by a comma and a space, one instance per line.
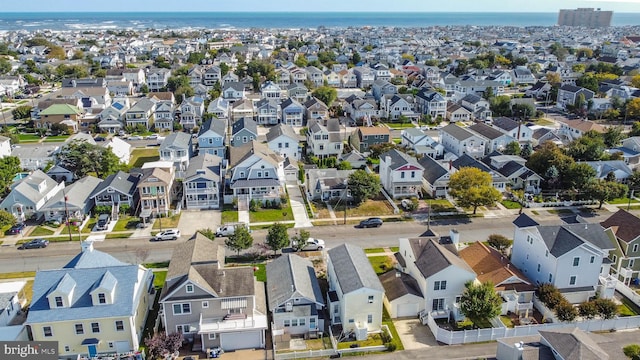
[141, 156]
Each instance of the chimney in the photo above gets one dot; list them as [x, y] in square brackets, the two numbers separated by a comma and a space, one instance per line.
[455, 237]
[450, 165]
[387, 159]
[86, 246]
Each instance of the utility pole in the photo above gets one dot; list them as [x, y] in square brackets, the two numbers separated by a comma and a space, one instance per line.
[66, 212]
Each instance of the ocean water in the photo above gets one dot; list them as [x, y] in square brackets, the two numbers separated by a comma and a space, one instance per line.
[278, 20]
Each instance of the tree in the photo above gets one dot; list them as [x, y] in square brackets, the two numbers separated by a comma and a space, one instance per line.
[325, 94]
[161, 343]
[603, 190]
[607, 308]
[363, 185]
[512, 148]
[499, 242]
[635, 81]
[501, 106]
[83, 158]
[241, 239]
[548, 155]
[473, 187]
[480, 302]
[565, 311]
[277, 237]
[554, 78]
[6, 218]
[344, 165]
[632, 351]
[9, 167]
[613, 136]
[588, 309]
[524, 111]
[578, 175]
[584, 52]
[379, 149]
[5, 66]
[21, 112]
[588, 147]
[526, 151]
[633, 108]
[56, 52]
[300, 239]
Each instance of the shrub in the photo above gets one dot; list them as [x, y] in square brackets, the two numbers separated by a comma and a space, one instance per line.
[209, 233]
[632, 351]
[499, 242]
[606, 307]
[267, 204]
[565, 311]
[588, 309]
[391, 346]
[124, 209]
[253, 205]
[102, 209]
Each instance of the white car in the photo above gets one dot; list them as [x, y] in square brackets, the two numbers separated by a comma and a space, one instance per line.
[170, 234]
[313, 245]
[134, 137]
[152, 137]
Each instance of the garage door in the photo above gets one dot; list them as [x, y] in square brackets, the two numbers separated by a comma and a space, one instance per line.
[291, 175]
[405, 310]
[243, 340]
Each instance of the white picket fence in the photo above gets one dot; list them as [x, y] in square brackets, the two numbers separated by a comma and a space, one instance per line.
[479, 335]
[628, 292]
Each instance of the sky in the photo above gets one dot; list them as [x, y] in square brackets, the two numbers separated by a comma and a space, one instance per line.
[319, 5]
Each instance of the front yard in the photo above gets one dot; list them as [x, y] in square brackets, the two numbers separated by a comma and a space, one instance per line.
[367, 208]
[372, 340]
[229, 214]
[166, 222]
[270, 215]
[381, 264]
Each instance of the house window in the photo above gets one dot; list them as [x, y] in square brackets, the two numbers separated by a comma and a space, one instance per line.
[546, 253]
[294, 322]
[440, 285]
[119, 325]
[110, 344]
[67, 348]
[592, 260]
[259, 174]
[47, 331]
[550, 277]
[59, 302]
[635, 247]
[351, 321]
[576, 261]
[370, 299]
[181, 309]
[615, 259]
[572, 280]
[631, 262]
[538, 267]
[287, 323]
[95, 327]
[437, 304]
[189, 288]
[369, 319]
[286, 145]
[183, 329]
[212, 336]
[102, 299]
[79, 329]
[205, 304]
[402, 175]
[302, 322]
[413, 174]
[279, 145]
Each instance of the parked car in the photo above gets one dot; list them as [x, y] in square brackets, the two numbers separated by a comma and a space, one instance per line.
[103, 222]
[99, 138]
[371, 222]
[170, 234]
[35, 244]
[311, 245]
[228, 229]
[152, 137]
[16, 229]
[134, 137]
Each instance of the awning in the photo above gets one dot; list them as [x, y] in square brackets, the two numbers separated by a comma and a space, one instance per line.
[90, 341]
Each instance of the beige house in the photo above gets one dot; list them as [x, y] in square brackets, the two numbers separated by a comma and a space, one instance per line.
[65, 114]
[155, 188]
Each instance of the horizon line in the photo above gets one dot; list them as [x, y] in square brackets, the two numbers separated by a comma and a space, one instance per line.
[294, 12]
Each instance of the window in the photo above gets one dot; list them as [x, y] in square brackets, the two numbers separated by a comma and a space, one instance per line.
[402, 175]
[550, 277]
[79, 329]
[279, 145]
[59, 302]
[369, 319]
[302, 322]
[287, 323]
[212, 336]
[440, 285]
[67, 348]
[294, 322]
[635, 247]
[102, 299]
[538, 267]
[286, 145]
[259, 174]
[351, 321]
[631, 262]
[110, 344]
[615, 259]
[95, 327]
[576, 261]
[437, 304]
[47, 331]
[119, 325]
[205, 304]
[592, 260]
[179, 309]
[370, 299]
[546, 253]
[572, 280]
[413, 174]
[189, 288]
[182, 329]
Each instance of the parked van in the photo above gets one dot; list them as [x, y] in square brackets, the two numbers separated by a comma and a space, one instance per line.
[228, 229]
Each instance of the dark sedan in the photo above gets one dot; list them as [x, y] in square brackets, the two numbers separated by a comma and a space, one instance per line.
[371, 222]
[16, 229]
[35, 244]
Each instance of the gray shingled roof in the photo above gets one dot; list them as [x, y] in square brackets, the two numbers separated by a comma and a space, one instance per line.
[486, 131]
[398, 286]
[291, 276]
[121, 181]
[457, 131]
[218, 126]
[281, 129]
[77, 194]
[433, 170]
[176, 140]
[561, 239]
[353, 269]
[399, 159]
[207, 163]
[523, 220]
[431, 257]
[244, 123]
[573, 344]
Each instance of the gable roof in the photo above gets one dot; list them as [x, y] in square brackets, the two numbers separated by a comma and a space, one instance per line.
[218, 126]
[61, 109]
[121, 181]
[486, 131]
[77, 194]
[457, 132]
[244, 123]
[281, 129]
[292, 277]
[433, 170]
[431, 257]
[176, 140]
[398, 286]
[398, 159]
[239, 153]
[624, 225]
[573, 344]
[206, 164]
[353, 269]
[490, 265]
[560, 239]
[584, 125]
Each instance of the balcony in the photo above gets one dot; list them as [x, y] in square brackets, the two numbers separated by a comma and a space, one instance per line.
[219, 324]
[524, 306]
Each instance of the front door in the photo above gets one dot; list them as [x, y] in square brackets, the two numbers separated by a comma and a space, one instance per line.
[92, 350]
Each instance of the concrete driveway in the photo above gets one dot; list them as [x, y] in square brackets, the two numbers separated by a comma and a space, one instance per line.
[414, 335]
[192, 220]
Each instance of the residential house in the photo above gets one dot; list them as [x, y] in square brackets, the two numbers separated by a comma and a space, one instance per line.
[74, 201]
[212, 137]
[93, 306]
[510, 283]
[164, 115]
[270, 91]
[242, 109]
[267, 112]
[393, 107]
[513, 168]
[459, 141]
[421, 143]
[283, 78]
[93, 99]
[35, 157]
[316, 109]
[28, 195]
[331, 78]
[64, 114]
[59, 173]
[366, 136]
[569, 95]
[521, 132]
[362, 110]
[539, 90]
[202, 182]
[110, 119]
[355, 294]
[355, 158]
[155, 189]
[117, 190]
[230, 77]
[219, 108]
[323, 138]
[623, 230]
[196, 75]
[191, 111]
[473, 86]
[479, 107]
[292, 112]
[439, 273]
[243, 131]
[314, 75]
[212, 306]
[141, 113]
[297, 92]
[571, 256]
[620, 170]
[558, 343]
[435, 177]
[295, 298]
[348, 79]
[494, 140]
[574, 129]
[178, 149]
[212, 75]
[498, 181]
[381, 88]
[365, 76]
[327, 184]
[5, 146]
[432, 103]
[157, 79]
[522, 75]
[233, 91]
[282, 140]
[256, 172]
[400, 174]
[14, 299]
[457, 113]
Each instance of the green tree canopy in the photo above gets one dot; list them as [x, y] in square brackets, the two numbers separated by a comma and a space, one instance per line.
[632, 351]
[21, 112]
[589, 147]
[577, 176]
[548, 155]
[512, 148]
[277, 237]
[241, 239]
[9, 167]
[613, 136]
[499, 242]
[480, 302]
[473, 187]
[83, 158]
[325, 94]
[5, 66]
[501, 106]
[603, 190]
[363, 185]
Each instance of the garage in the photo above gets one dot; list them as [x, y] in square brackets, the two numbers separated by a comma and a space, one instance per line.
[406, 310]
[241, 340]
[402, 294]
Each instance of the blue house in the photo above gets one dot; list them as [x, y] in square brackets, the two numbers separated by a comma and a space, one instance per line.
[243, 131]
[212, 137]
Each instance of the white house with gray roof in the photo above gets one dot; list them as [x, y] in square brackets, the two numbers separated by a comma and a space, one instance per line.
[94, 305]
[283, 141]
[212, 137]
[256, 172]
[459, 141]
[355, 294]
[400, 174]
[116, 190]
[323, 138]
[202, 181]
[29, 195]
[295, 298]
[74, 200]
[572, 257]
[177, 149]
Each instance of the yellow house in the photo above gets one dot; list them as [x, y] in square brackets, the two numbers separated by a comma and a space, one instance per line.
[95, 305]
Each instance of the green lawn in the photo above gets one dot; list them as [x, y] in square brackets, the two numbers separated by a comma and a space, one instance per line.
[17, 275]
[394, 248]
[372, 340]
[543, 122]
[381, 264]
[158, 280]
[157, 265]
[396, 141]
[125, 223]
[506, 321]
[118, 235]
[90, 224]
[267, 226]
[229, 215]
[399, 125]
[386, 320]
[440, 205]
[167, 223]
[261, 273]
[373, 250]
[628, 308]
[41, 231]
[511, 204]
[141, 156]
[560, 211]
[27, 138]
[57, 138]
[271, 215]
[624, 200]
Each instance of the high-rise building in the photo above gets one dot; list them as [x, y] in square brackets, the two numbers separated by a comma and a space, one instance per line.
[588, 17]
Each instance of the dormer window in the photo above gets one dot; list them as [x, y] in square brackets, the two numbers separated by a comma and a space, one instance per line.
[102, 298]
[59, 302]
[189, 288]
